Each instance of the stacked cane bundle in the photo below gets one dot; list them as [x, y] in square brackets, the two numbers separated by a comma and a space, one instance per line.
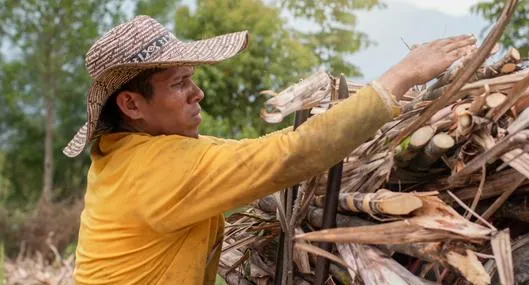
[438, 195]
[37, 270]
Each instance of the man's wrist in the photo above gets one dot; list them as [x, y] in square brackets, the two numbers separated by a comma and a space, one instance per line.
[398, 82]
[389, 100]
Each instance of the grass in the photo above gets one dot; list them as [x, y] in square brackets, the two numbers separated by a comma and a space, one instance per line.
[237, 210]
[219, 281]
[2, 281]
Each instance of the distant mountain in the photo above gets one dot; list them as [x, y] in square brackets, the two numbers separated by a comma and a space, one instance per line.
[414, 25]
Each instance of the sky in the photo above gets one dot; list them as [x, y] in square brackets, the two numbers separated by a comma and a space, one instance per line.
[450, 7]
[411, 21]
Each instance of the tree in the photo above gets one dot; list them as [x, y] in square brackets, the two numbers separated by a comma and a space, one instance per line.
[335, 37]
[162, 10]
[278, 55]
[274, 58]
[516, 34]
[45, 82]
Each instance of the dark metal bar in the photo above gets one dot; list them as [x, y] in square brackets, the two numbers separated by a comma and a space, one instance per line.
[300, 117]
[329, 219]
[331, 202]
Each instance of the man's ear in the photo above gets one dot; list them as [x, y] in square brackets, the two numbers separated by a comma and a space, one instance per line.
[129, 102]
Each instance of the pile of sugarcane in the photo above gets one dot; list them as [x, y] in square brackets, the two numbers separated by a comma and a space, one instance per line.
[35, 269]
[438, 195]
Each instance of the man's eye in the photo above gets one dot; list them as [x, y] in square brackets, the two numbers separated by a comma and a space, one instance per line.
[178, 85]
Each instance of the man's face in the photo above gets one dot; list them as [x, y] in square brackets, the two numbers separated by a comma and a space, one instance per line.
[174, 107]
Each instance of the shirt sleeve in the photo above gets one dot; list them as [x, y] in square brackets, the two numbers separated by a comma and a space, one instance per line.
[193, 179]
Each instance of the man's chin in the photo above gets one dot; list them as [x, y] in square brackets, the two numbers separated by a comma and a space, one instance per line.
[195, 133]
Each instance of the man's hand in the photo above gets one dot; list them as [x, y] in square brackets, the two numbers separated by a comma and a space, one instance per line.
[425, 62]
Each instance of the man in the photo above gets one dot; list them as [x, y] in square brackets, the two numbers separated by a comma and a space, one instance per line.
[157, 189]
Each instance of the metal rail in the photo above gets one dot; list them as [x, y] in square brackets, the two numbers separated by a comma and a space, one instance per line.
[331, 201]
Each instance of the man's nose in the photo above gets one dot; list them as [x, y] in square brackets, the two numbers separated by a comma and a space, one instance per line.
[197, 95]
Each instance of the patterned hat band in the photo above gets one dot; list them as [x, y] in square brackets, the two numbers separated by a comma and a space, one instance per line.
[152, 48]
[139, 44]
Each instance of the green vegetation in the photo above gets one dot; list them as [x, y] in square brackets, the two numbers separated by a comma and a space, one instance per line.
[220, 281]
[43, 80]
[2, 281]
[516, 34]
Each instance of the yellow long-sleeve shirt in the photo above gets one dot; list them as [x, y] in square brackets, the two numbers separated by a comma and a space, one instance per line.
[154, 204]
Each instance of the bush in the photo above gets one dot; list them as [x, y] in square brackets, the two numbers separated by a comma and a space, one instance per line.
[55, 224]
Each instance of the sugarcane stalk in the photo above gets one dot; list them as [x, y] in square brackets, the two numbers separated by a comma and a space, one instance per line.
[435, 93]
[410, 148]
[441, 114]
[461, 108]
[479, 101]
[476, 60]
[285, 249]
[465, 123]
[521, 104]
[443, 125]
[508, 62]
[493, 101]
[521, 122]
[508, 68]
[449, 75]
[519, 90]
[437, 146]
[381, 202]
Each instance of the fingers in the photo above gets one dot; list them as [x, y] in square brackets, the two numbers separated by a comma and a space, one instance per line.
[463, 51]
[414, 46]
[458, 44]
[449, 44]
[449, 40]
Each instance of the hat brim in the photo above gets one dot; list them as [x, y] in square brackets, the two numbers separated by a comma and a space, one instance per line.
[208, 51]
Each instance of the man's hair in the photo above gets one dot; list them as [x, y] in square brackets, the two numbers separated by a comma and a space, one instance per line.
[111, 116]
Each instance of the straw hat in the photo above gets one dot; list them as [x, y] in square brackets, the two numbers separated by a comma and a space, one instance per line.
[131, 47]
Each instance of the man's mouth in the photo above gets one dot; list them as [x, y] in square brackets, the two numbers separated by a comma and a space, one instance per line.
[196, 113]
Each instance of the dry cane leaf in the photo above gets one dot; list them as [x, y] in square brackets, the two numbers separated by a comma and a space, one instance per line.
[301, 258]
[389, 233]
[376, 268]
[501, 247]
[319, 252]
[306, 94]
[437, 215]
[469, 266]
[435, 221]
